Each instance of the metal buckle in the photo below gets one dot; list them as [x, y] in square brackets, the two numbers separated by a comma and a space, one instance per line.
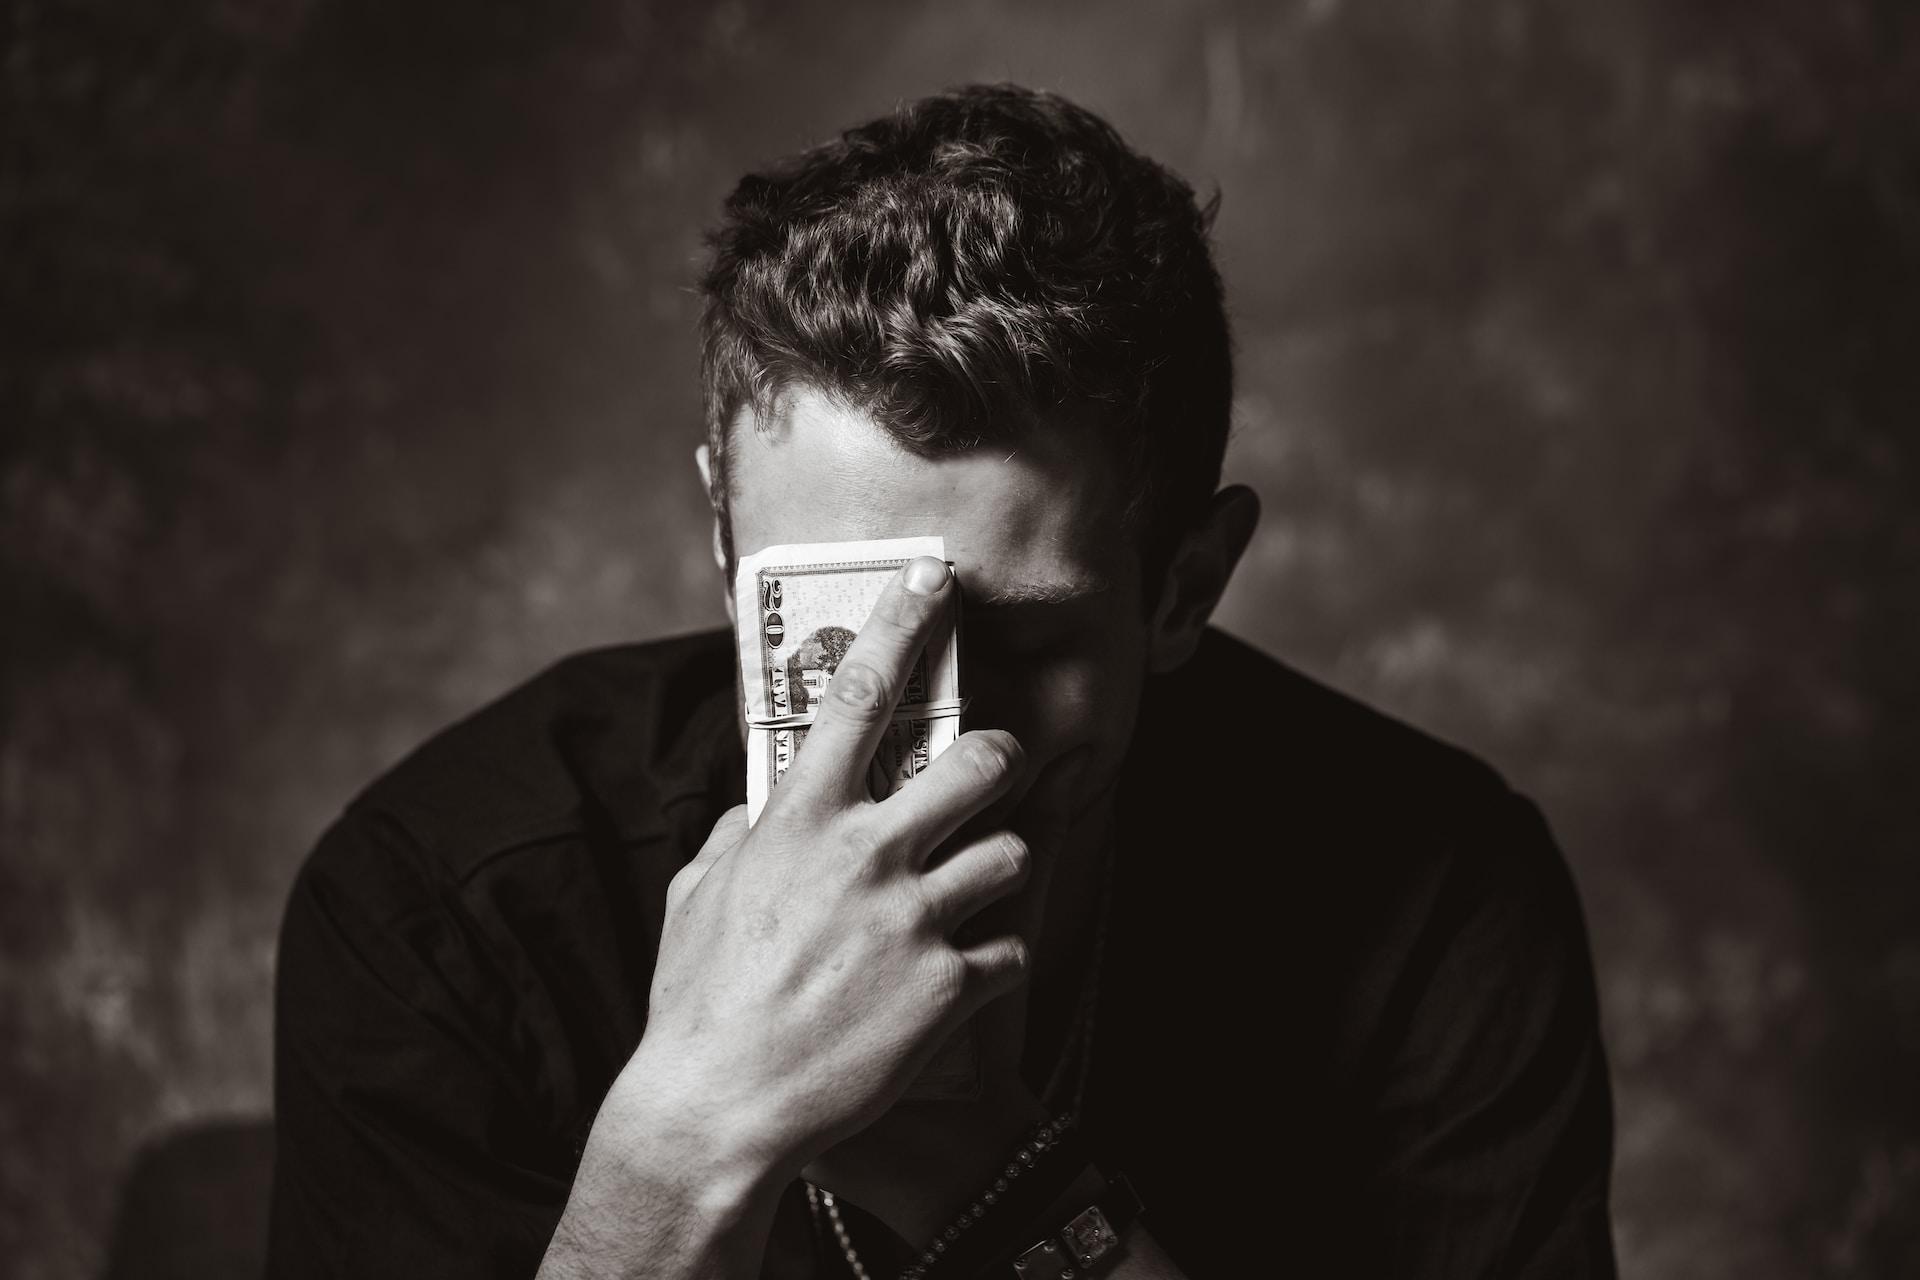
[1080, 1244]
[1089, 1237]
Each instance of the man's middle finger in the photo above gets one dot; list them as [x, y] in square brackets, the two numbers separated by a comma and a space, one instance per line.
[865, 688]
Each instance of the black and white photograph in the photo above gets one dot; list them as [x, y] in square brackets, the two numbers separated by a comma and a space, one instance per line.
[959, 641]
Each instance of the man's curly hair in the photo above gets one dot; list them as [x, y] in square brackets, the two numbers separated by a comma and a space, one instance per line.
[968, 267]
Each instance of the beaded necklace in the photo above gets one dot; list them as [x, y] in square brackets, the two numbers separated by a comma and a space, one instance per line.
[1077, 1052]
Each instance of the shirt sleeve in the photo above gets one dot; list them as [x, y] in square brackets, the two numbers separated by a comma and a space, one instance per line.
[406, 1144]
[1494, 1126]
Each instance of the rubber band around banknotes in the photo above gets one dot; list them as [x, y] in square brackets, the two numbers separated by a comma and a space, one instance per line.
[944, 709]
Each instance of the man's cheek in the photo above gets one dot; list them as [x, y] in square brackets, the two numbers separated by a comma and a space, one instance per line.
[1052, 703]
[1080, 705]
[1014, 697]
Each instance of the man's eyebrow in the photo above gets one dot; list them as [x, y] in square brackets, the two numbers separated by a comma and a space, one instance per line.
[1006, 595]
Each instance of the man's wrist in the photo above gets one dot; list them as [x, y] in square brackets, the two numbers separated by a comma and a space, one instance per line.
[658, 1193]
[651, 1128]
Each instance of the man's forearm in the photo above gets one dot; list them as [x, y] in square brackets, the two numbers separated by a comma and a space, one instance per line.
[646, 1202]
[673, 1207]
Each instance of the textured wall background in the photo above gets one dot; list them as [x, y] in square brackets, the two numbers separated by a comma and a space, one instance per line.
[348, 377]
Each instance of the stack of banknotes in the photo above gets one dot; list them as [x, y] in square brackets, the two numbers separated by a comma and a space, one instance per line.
[798, 610]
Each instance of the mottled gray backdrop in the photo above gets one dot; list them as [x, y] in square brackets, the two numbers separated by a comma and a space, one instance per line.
[347, 378]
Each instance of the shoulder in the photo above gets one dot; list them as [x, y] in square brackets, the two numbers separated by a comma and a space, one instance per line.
[1400, 840]
[1413, 905]
[1271, 735]
[486, 898]
[1395, 911]
[604, 740]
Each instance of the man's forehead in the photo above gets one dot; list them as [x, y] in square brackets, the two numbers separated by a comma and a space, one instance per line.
[1029, 522]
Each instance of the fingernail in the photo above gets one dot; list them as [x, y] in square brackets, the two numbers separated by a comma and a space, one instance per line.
[926, 576]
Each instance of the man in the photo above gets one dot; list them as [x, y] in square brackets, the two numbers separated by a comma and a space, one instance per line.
[1318, 984]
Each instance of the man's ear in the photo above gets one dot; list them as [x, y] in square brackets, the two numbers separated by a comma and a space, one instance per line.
[1197, 575]
[703, 461]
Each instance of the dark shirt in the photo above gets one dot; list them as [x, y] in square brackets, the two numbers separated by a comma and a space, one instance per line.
[1346, 1023]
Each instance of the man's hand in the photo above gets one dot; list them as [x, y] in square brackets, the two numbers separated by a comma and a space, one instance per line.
[807, 967]
[921, 1162]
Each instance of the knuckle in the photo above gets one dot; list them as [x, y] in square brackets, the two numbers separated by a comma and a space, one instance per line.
[1014, 956]
[947, 975]
[992, 756]
[682, 885]
[865, 849]
[1014, 851]
[918, 909]
[728, 830]
[858, 688]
